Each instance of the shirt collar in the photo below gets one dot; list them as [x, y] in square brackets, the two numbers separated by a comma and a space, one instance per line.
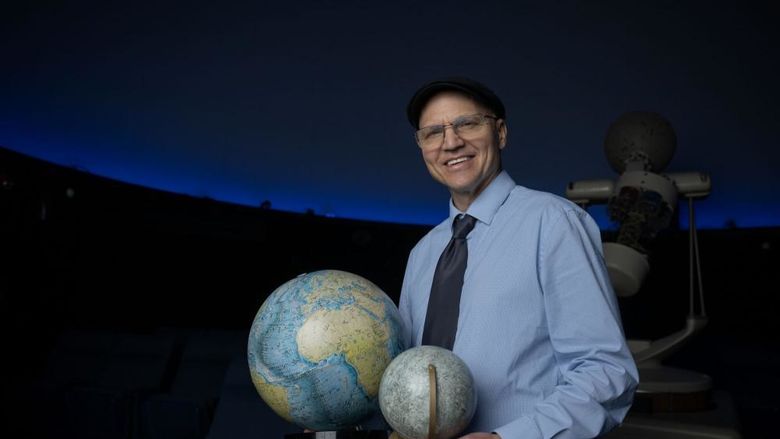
[487, 203]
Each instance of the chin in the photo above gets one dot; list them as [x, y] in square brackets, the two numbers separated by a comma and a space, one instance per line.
[461, 189]
[463, 184]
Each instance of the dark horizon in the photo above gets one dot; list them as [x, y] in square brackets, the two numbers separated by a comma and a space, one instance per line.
[303, 105]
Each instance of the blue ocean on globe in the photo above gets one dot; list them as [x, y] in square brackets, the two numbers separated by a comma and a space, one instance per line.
[318, 347]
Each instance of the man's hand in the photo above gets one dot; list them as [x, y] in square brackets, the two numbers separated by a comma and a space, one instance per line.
[481, 436]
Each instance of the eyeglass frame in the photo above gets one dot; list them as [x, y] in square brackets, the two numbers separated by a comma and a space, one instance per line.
[454, 130]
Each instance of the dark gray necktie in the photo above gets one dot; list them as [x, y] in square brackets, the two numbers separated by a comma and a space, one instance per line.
[441, 320]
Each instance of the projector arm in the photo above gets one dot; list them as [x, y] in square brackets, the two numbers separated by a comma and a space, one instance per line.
[688, 184]
[590, 191]
[691, 184]
[659, 349]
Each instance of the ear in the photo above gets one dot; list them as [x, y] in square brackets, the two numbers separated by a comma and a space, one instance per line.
[502, 133]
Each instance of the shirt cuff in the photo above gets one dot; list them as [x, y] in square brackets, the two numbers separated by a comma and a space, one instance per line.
[521, 428]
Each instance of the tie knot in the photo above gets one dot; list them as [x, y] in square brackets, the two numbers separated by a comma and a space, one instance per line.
[462, 225]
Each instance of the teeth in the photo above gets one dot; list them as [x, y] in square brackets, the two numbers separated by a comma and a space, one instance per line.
[456, 161]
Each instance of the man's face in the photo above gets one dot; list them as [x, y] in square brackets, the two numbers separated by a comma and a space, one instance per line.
[466, 167]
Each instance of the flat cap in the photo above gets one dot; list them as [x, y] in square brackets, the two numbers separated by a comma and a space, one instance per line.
[477, 91]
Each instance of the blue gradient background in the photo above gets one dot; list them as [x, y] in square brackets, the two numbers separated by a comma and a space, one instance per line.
[303, 104]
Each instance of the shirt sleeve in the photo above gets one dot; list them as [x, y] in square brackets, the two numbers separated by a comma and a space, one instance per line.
[596, 373]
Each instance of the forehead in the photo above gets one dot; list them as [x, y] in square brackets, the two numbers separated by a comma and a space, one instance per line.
[447, 105]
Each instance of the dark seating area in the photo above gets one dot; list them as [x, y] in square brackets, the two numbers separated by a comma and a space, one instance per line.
[98, 383]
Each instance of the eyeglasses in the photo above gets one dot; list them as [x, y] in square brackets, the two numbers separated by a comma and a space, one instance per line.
[466, 127]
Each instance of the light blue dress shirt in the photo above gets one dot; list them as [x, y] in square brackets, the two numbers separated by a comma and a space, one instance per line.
[539, 325]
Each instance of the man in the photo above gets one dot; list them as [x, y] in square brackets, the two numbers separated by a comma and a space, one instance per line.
[536, 319]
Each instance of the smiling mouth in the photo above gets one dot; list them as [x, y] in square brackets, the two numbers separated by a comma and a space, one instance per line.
[455, 161]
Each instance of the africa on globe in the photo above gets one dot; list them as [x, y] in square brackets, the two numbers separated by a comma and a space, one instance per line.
[318, 347]
[428, 392]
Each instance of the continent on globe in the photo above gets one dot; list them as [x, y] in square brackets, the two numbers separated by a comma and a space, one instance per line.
[405, 393]
[318, 347]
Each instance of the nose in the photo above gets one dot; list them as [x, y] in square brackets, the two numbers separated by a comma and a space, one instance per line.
[451, 138]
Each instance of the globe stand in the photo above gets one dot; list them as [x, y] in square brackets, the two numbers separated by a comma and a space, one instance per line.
[432, 401]
[340, 434]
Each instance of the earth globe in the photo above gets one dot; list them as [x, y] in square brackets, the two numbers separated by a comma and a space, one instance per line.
[318, 347]
[427, 392]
